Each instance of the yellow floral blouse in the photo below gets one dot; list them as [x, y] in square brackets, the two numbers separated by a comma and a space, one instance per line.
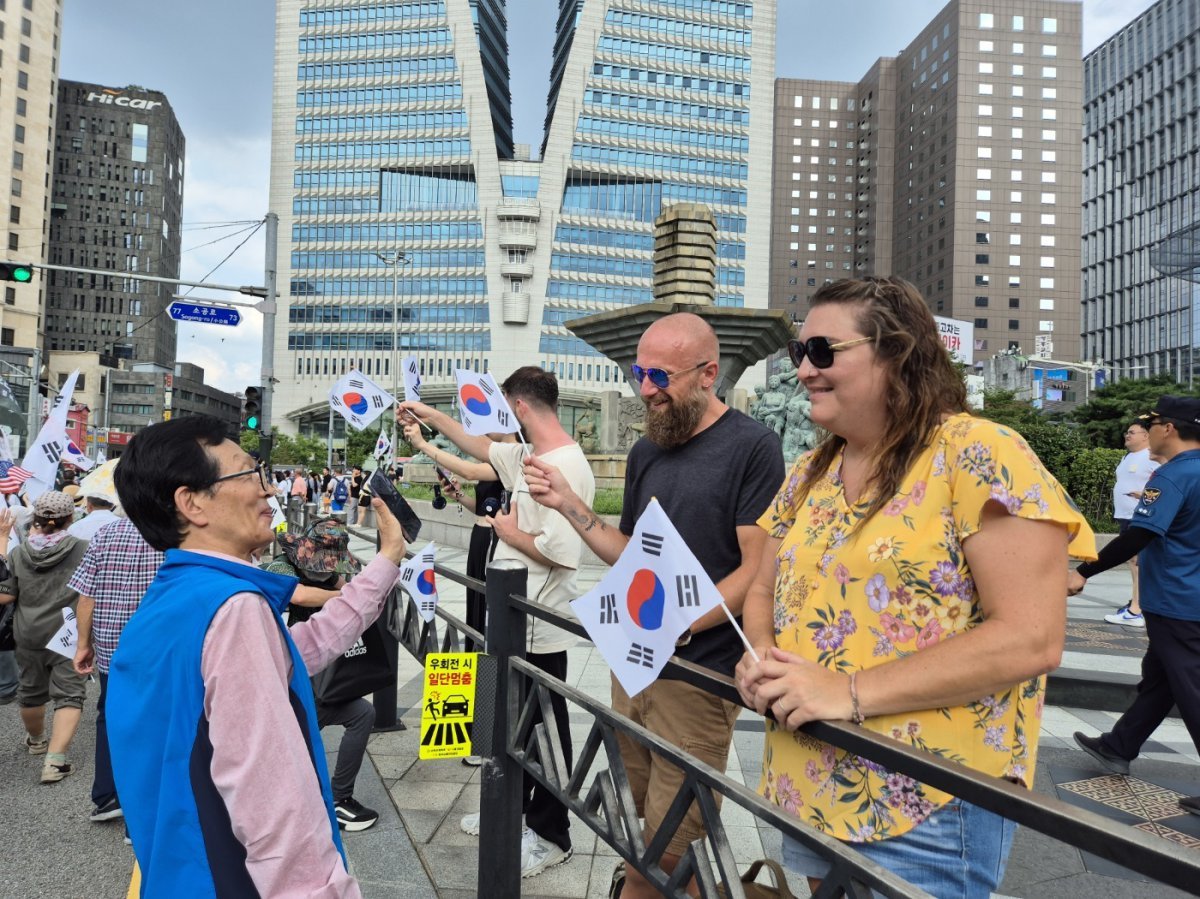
[898, 585]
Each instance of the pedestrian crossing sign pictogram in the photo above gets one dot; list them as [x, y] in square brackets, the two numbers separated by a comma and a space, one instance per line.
[448, 704]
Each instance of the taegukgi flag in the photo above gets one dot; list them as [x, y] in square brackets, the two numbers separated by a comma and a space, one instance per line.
[418, 579]
[653, 593]
[50, 447]
[412, 379]
[481, 406]
[359, 400]
[383, 445]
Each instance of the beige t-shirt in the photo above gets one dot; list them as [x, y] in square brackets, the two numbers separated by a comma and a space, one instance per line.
[554, 537]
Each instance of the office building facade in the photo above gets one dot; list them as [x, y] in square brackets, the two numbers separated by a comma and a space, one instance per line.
[1141, 204]
[955, 165]
[29, 44]
[393, 133]
[117, 206]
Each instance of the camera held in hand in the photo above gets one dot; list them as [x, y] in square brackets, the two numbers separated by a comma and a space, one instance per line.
[439, 501]
[494, 505]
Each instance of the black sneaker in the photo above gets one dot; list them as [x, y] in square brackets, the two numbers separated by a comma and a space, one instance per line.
[1190, 804]
[1093, 747]
[107, 811]
[353, 816]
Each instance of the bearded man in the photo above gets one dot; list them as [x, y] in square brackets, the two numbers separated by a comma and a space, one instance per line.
[715, 471]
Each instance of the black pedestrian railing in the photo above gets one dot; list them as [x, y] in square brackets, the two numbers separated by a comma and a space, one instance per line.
[511, 694]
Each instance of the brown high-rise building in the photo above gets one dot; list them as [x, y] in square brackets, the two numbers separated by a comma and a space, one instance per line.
[955, 164]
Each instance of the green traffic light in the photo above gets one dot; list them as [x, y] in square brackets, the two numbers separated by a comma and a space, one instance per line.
[252, 423]
[22, 273]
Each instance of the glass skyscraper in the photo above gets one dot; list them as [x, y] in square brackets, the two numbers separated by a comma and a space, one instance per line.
[393, 133]
[1141, 191]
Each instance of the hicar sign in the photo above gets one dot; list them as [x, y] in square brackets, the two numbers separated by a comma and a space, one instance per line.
[121, 100]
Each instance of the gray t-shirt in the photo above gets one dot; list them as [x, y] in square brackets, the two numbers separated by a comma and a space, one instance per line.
[724, 477]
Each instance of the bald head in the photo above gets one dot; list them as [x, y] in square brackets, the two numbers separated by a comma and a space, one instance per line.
[683, 335]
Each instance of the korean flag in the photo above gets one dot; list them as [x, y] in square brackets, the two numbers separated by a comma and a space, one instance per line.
[481, 406]
[647, 600]
[359, 400]
[418, 579]
[412, 379]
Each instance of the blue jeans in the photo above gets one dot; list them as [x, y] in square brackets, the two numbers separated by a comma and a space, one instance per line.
[8, 673]
[958, 852]
[103, 786]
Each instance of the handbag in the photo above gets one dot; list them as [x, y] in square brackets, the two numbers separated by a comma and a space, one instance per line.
[755, 890]
[369, 665]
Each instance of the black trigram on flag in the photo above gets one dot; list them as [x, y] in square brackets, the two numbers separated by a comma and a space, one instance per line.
[407, 574]
[355, 382]
[450, 733]
[53, 451]
[466, 421]
[640, 655]
[688, 590]
[502, 418]
[428, 605]
[608, 609]
[336, 400]
[412, 366]
[427, 558]
[377, 401]
[652, 544]
[486, 387]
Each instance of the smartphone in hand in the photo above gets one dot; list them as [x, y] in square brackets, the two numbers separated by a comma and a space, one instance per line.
[382, 487]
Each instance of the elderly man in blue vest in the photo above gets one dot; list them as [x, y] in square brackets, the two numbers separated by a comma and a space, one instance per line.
[215, 746]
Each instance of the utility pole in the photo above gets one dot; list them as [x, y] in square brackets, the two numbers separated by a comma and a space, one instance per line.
[395, 259]
[270, 307]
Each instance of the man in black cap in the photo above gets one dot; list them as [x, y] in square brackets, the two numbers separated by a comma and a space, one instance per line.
[1165, 530]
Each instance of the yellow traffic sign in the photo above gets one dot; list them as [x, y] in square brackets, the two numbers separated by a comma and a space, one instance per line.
[448, 704]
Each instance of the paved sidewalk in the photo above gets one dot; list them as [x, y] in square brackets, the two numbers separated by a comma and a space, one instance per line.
[417, 849]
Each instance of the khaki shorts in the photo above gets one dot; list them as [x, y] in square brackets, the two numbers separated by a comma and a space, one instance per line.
[46, 675]
[698, 723]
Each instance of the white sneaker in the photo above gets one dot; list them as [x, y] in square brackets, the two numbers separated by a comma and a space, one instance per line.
[470, 824]
[1125, 617]
[537, 855]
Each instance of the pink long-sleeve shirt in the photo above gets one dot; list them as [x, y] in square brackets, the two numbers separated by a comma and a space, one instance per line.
[260, 762]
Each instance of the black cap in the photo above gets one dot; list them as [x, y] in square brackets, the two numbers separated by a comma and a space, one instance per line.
[1180, 408]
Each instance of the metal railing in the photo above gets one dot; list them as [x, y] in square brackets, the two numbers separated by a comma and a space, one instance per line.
[511, 694]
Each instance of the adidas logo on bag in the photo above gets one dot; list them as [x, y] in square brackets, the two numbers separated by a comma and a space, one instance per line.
[358, 649]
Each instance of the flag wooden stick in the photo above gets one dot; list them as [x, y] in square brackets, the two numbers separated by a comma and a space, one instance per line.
[741, 633]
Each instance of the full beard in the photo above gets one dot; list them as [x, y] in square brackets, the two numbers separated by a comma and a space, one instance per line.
[673, 423]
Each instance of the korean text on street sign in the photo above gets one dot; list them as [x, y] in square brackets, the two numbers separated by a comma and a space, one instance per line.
[209, 315]
[448, 704]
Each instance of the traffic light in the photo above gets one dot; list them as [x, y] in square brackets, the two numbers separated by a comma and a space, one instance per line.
[251, 407]
[16, 271]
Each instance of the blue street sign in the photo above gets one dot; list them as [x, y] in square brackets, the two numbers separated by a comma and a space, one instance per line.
[209, 315]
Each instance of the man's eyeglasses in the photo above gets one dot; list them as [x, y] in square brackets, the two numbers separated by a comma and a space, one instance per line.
[264, 478]
[819, 350]
[659, 378]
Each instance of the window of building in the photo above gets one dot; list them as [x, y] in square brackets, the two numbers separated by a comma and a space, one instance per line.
[986, 90]
[985, 68]
[1048, 305]
[985, 110]
[1014, 302]
[7, 336]
[982, 237]
[1049, 26]
[1014, 260]
[1018, 90]
[10, 296]
[988, 20]
[983, 195]
[1049, 135]
[1049, 114]
[981, 302]
[1046, 283]
[1013, 325]
[1014, 218]
[981, 323]
[1018, 112]
[1049, 72]
[985, 131]
[983, 174]
[1049, 50]
[986, 47]
[982, 259]
[1018, 49]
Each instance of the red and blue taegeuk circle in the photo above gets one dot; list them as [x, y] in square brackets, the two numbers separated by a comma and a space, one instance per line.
[474, 400]
[646, 600]
[426, 583]
[355, 402]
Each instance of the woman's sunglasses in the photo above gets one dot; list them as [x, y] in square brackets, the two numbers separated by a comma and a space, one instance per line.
[659, 378]
[819, 350]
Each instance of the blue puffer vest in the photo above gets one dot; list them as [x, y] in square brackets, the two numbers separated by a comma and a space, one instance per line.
[161, 753]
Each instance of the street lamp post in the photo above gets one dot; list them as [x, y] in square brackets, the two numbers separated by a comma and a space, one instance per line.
[395, 259]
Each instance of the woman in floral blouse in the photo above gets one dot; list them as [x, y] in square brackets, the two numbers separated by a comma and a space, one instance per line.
[914, 581]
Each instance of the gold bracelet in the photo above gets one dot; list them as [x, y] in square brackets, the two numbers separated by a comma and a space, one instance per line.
[856, 714]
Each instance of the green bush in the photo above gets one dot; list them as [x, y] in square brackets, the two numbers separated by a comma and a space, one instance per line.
[608, 501]
[1090, 479]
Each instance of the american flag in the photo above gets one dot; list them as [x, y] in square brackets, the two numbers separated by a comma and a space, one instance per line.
[12, 476]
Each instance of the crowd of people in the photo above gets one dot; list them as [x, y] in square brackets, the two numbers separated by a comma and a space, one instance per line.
[909, 574]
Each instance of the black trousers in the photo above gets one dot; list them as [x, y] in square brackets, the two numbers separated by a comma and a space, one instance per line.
[357, 717]
[1170, 676]
[544, 814]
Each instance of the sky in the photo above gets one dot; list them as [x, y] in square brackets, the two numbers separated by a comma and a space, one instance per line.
[213, 59]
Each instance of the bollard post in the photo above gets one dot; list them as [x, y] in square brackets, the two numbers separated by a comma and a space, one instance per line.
[501, 779]
[387, 716]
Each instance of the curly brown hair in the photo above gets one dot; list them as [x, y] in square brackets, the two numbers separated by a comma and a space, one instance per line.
[924, 385]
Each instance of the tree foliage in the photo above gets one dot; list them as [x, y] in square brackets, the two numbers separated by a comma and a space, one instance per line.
[360, 445]
[1104, 417]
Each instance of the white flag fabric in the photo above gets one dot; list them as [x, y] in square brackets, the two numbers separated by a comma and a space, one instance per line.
[412, 379]
[481, 406]
[48, 449]
[383, 445]
[418, 579]
[66, 638]
[359, 400]
[653, 593]
[73, 454]
[101, 455]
